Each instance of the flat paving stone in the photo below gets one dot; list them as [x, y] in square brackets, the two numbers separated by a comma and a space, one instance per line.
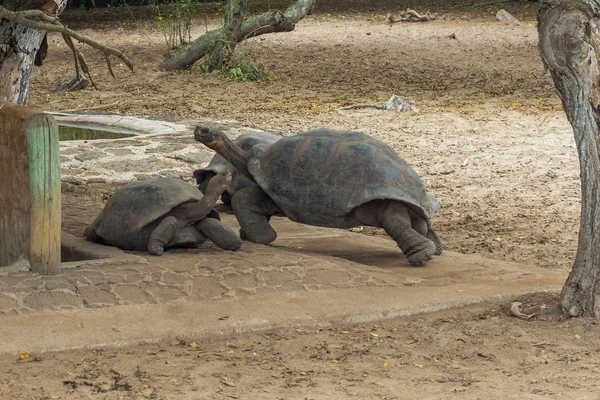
[308, 276]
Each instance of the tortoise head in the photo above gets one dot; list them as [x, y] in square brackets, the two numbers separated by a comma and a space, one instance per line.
[219, 142]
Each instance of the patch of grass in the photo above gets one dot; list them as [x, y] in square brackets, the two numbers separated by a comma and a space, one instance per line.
[241, 69]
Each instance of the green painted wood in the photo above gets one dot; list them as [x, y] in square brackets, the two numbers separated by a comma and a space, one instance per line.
[44, 190]
[30, 171]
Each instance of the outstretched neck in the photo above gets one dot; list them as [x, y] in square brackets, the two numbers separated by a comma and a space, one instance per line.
[220, 143]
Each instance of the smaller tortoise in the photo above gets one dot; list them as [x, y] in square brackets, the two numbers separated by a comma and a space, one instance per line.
[219, 164]
[332, 179]
[165, 212]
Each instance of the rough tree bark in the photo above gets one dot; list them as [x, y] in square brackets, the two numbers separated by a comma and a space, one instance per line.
[231, 30]
[23, 26]
[268, 22]
[18, 46]
[569, 42]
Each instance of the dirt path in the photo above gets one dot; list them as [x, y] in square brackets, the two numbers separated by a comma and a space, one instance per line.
[491, 143]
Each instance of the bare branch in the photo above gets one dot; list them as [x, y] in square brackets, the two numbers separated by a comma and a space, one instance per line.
[52, 24]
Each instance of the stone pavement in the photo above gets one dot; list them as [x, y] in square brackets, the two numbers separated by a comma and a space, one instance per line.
[174, 153]
[309, 276]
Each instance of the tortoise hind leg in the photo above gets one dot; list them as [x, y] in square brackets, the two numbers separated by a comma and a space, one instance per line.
[219, 233]
[395, 218]
[253, 208]
[433, 236]
[90, 235]
[423, 226]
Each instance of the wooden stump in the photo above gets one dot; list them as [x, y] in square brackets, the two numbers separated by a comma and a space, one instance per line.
[30, 219]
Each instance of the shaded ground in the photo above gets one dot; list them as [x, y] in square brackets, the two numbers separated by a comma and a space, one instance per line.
[490, 141]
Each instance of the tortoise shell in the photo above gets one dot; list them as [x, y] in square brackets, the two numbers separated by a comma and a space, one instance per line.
[135, 210]
[319, 177]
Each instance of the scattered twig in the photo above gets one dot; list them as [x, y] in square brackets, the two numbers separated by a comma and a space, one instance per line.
[411, 16]
[100, 107]
[379, 106]
[481, 4]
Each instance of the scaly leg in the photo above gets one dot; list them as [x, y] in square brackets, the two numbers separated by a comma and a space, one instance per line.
[219, 233]
[253, 208]
[395, 218]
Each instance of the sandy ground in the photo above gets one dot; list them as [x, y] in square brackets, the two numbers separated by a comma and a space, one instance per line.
[490, 141]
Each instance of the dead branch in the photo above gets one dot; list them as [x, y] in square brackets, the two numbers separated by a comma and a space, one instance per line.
[378, 106]
[395, 103]
[480, 4]
[411, 16]
[516, 309]
[100, 107]
[38, 19]
[79, 61]
[269, 22]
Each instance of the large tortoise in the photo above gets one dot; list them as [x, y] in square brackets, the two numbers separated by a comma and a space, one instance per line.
[165, 212]
[334, 179]
[219, 164]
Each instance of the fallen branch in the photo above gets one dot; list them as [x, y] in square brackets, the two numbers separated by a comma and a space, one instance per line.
[100, 107]
[38, 19]
[268, 22]
[395, 103]
[411, 16]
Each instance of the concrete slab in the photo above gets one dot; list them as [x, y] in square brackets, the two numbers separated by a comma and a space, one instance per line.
[309, 276]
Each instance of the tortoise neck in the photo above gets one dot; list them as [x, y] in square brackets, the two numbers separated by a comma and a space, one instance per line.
[219, 142]
[194, 211]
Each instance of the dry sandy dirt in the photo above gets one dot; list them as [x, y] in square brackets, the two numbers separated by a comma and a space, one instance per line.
[490, 140]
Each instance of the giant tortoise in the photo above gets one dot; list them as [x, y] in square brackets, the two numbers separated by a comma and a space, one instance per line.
[165, 212]
[333, 179]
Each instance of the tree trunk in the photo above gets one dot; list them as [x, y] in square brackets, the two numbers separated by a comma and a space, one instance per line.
[18, 47]
[569, 43]
[268, 22]
[225, 45]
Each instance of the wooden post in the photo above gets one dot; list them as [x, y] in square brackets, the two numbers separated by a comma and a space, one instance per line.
[30, 219]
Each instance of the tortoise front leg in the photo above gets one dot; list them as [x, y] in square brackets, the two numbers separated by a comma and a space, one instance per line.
[164, 233]
[253, 208]
[219, 233]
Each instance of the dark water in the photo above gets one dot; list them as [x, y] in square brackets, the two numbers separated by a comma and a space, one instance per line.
[71, 133]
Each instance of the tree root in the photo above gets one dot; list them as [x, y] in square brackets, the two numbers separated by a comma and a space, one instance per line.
[411, 16]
